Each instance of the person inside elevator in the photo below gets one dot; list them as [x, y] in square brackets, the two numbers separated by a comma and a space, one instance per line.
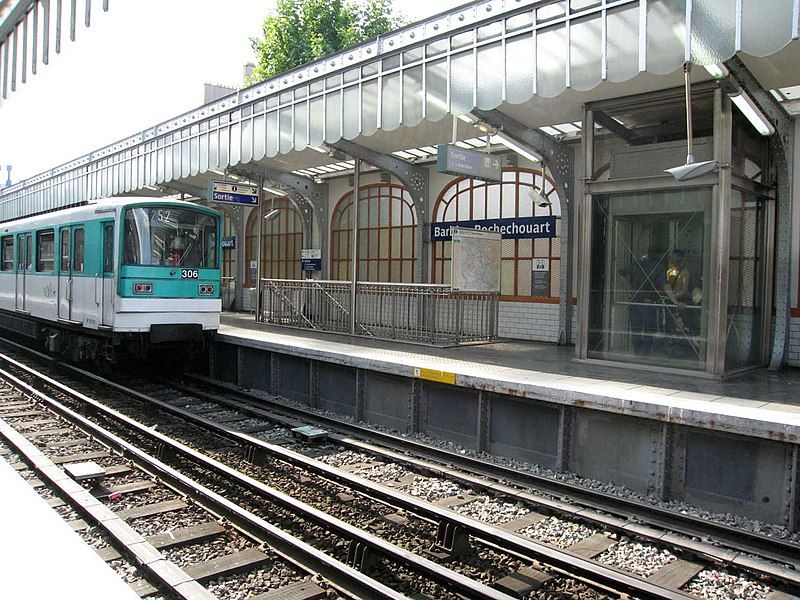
[645, 279]
[678, 288]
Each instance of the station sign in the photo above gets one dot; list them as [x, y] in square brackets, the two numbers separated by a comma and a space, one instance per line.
[515, 228]
[229, 243]
[474, 164]
[231, 192]
[311, 259]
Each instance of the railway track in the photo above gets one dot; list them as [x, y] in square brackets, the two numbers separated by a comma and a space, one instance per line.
[456, 509]
[159, 543]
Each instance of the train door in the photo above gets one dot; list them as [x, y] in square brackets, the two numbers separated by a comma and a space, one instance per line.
[107, 282]
[24, 264]
[79, 301]
[65, 282]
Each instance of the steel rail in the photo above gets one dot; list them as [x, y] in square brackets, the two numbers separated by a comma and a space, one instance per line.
[740, 558]
[732, 537]
[159, 571]
[561, 559]
[436, 572]
[342, 576]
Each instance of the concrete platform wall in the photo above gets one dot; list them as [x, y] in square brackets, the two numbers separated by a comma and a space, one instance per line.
[715, 471]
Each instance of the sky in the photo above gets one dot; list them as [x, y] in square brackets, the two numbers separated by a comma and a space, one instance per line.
[141, 63]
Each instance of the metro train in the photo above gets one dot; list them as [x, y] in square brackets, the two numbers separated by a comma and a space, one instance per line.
[113, 278]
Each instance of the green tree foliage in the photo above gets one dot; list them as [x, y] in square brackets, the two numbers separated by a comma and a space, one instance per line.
[301, 31]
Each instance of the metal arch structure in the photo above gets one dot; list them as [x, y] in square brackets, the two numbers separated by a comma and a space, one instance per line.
[310, 197]
[32, 20]
[415, 179]
[782, 152]
[560, 160]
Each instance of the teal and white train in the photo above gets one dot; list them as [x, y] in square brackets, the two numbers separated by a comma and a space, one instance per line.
[112, 278]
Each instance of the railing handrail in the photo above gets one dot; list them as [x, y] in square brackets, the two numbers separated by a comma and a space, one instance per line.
[414, 312]
[347, 283]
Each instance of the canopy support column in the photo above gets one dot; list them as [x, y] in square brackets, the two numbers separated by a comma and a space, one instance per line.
[559, 159]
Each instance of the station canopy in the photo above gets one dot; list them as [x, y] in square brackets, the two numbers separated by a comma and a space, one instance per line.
[536, 61]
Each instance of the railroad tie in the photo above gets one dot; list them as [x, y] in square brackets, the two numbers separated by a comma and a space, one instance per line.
[226, 565]
[20, 414]
[675, 574]
[299, 590]
[83, 456]
[142, 588]
[592, 546]
[522, 522]
[523, 582]
[148, 510]
[49, 432]
[773, 595]
[180, 537]
[453, 501]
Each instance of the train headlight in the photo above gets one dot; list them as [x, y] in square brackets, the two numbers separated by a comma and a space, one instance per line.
[206, 289]
[143, 288]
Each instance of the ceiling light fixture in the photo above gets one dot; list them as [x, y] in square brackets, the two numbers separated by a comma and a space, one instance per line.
[749, 109]
[717, 70]
[520, 149]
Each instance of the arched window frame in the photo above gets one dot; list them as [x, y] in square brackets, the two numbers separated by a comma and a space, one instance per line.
[466, 199]
[387, 240]
[281, 243]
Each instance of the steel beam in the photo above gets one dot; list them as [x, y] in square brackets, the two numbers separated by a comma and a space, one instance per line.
[782, 153]
[559, 158]
[415, 179]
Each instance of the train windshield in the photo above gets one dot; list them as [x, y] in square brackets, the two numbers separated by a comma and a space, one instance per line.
[170, 237]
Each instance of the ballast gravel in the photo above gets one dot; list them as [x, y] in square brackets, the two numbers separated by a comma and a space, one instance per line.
[636, 558]
[492, 511]
[720, 585]
[557, 532]
[432, 489]
[241, 587]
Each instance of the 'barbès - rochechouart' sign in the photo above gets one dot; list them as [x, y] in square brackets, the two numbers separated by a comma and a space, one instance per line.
[517, 228]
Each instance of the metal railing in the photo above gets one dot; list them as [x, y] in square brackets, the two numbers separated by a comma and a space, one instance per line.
[421, 313]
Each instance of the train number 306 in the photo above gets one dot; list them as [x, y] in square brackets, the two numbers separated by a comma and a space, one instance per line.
[189, 274]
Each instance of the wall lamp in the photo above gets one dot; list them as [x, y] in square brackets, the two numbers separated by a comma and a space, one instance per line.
[272, 215]
[270, 190]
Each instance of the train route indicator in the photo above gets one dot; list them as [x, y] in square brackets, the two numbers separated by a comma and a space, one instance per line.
[232, 192]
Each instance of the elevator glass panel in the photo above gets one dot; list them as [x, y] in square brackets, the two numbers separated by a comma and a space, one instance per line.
[648, 300]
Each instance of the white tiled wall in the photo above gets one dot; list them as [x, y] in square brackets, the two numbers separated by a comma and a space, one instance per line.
[793, 350]
[528, 321]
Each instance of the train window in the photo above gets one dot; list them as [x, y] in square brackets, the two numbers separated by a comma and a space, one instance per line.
[170, 237]
[108, 248]
[77, 264]
[8, 253]
[45, 250]
[28, 252]
[65, 250]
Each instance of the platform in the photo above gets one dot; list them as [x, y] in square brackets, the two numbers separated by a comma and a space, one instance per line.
[41, 557]
[758, 403]
[725, 445]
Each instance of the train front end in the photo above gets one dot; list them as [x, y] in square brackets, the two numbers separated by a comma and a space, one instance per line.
[168, 283]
